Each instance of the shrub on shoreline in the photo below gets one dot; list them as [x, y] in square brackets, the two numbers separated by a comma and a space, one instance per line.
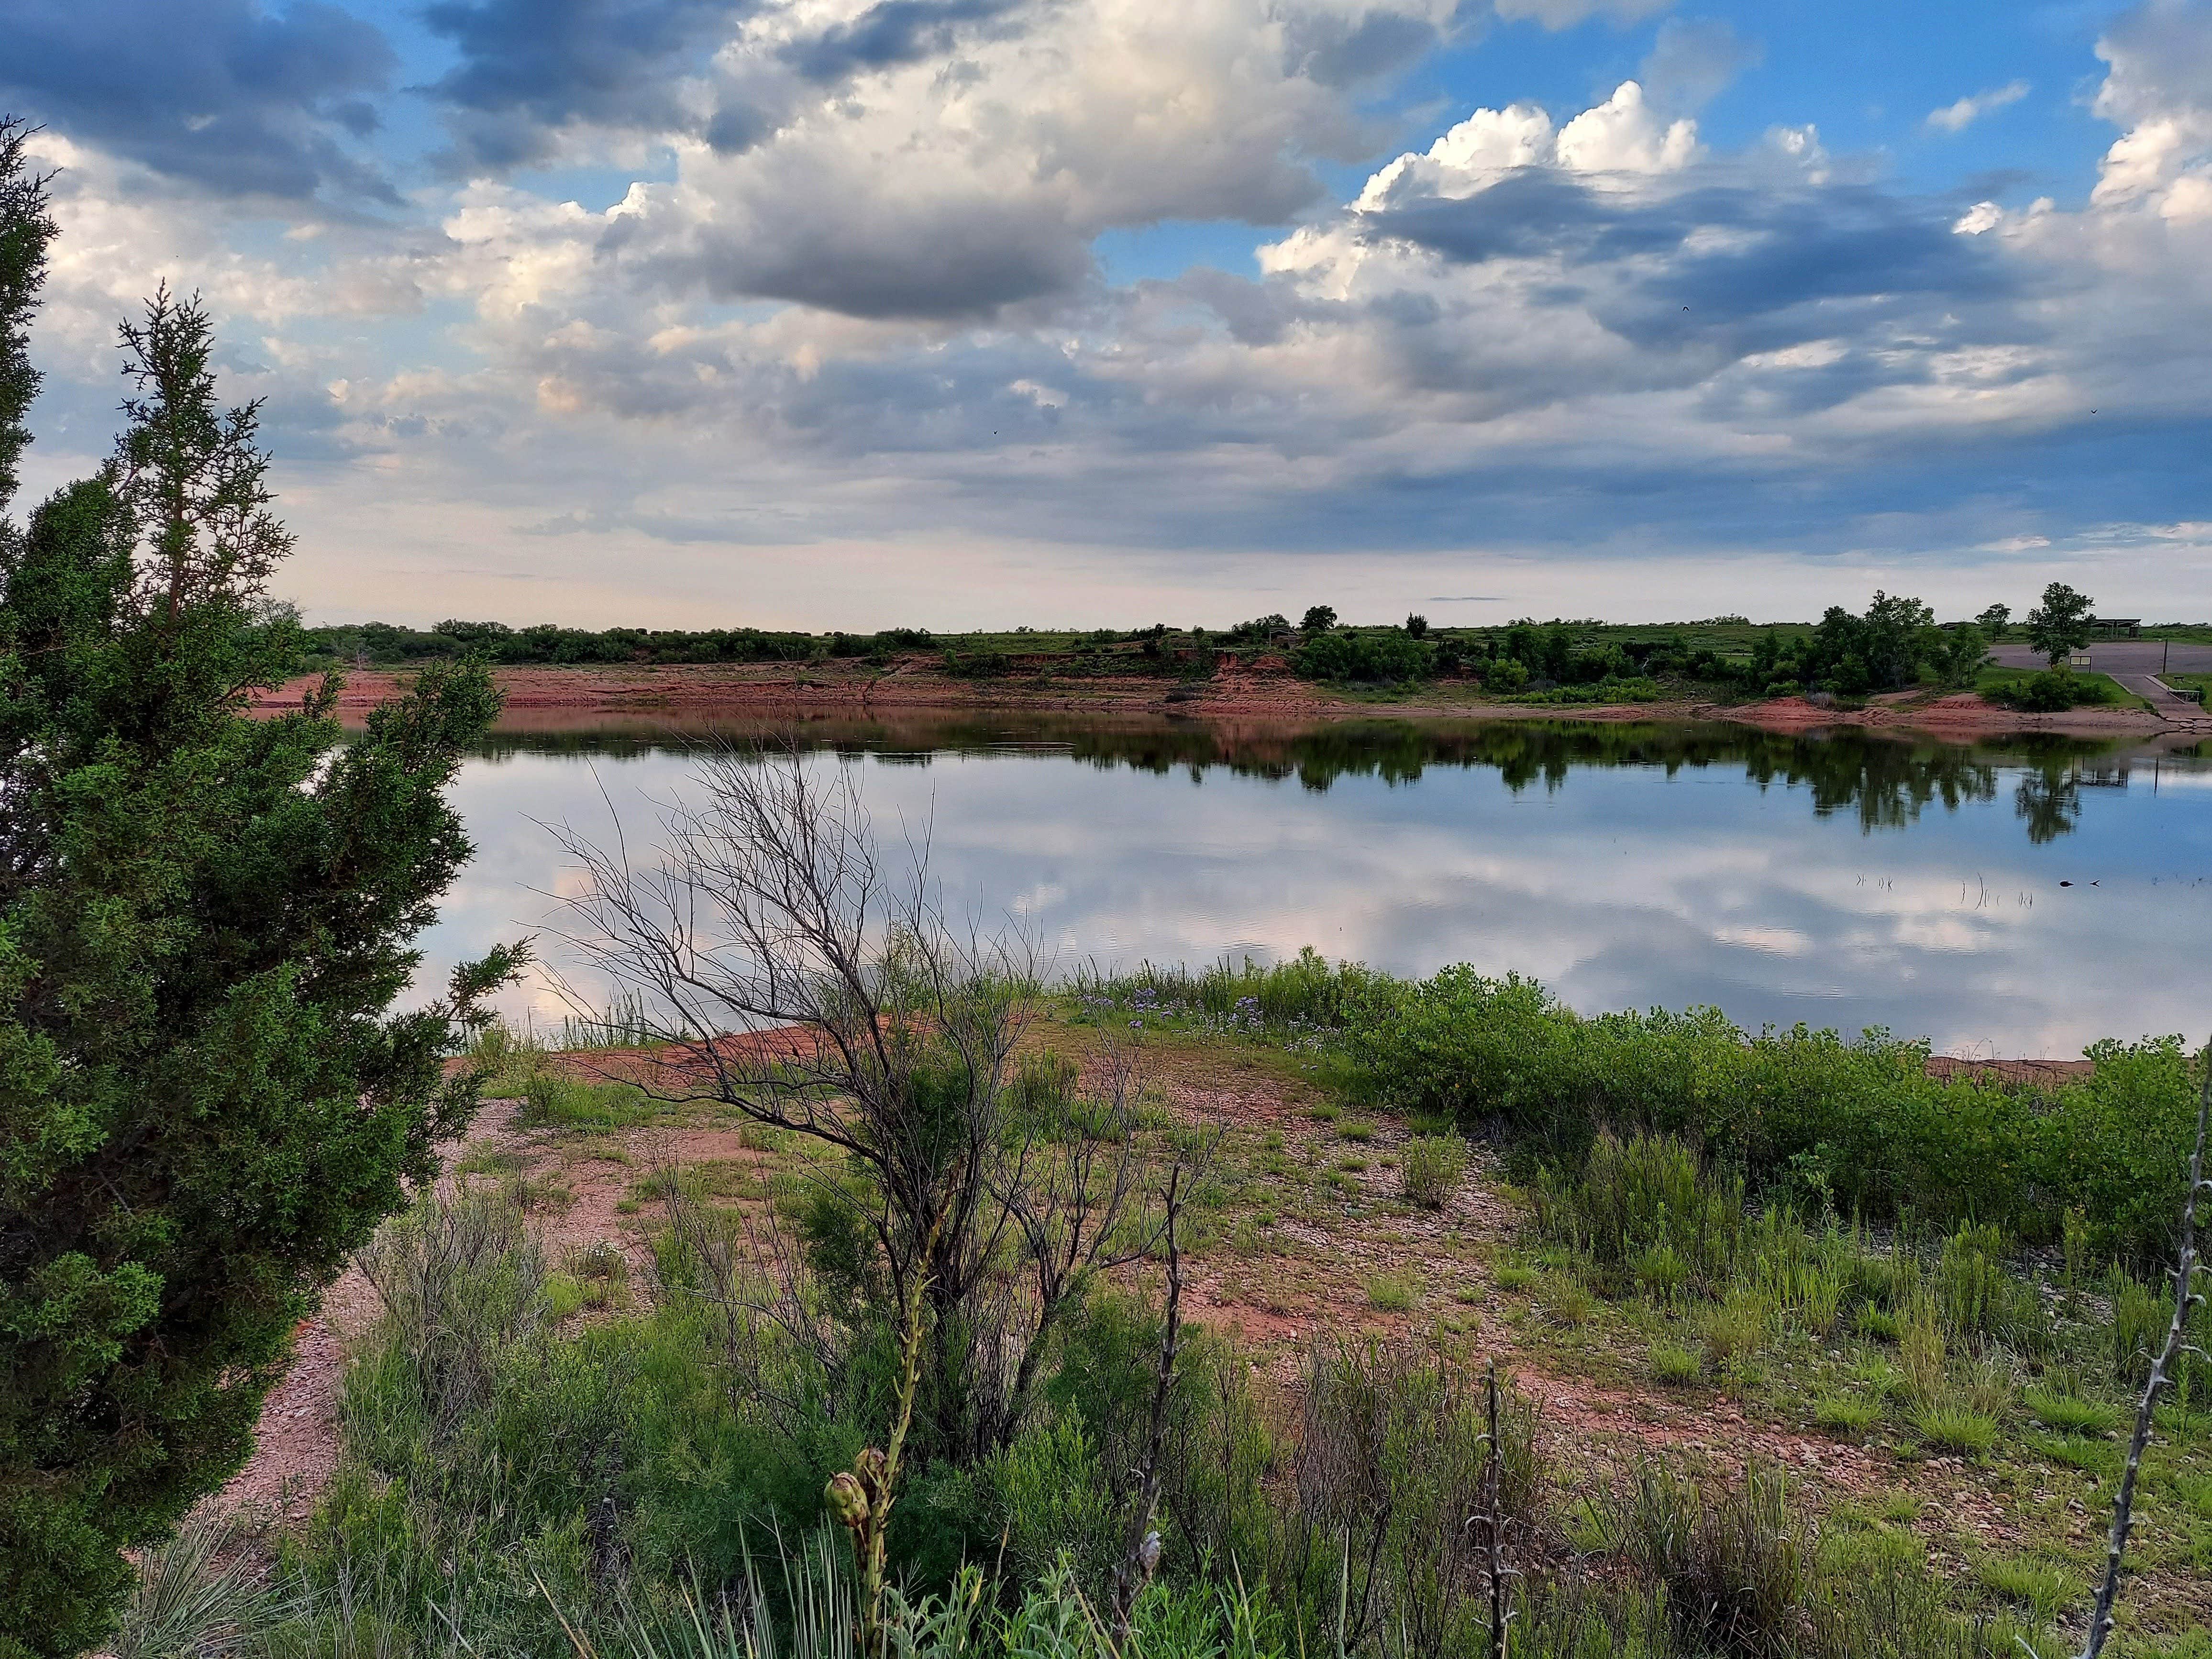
[1851, 1125]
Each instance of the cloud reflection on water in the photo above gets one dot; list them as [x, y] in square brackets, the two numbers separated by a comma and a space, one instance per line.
[1845, 881]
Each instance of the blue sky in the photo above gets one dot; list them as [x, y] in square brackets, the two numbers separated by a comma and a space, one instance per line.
[848, 312]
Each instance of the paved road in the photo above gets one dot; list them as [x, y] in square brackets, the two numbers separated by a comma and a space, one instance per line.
[2118, 657]
[2136, 664]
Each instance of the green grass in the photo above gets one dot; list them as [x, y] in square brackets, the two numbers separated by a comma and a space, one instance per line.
[1955, 1428]
[2199, 682]
[1394, 1292]
[2070, 1415]
[2037, 1586]
[1672, 1365]
[1852, 1415]
[2097, 1457]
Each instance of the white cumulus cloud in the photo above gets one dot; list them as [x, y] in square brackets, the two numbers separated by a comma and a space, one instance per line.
[1957, 117]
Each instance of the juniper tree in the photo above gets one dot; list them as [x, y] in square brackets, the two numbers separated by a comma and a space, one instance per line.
[205, 1103]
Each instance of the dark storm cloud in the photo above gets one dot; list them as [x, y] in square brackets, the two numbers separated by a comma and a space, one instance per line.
[890, 32]
[529, 68]
[216, 92]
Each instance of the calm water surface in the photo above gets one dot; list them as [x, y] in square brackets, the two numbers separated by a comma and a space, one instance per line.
[1842, 879]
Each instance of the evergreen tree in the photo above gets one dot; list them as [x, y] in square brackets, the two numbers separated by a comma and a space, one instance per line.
[205, 1104]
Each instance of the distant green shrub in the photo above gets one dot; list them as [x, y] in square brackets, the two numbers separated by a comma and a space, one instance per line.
[1306, 991]
[1640, 1196]
[1505, 677]
[2052, 691]
[1369, 656]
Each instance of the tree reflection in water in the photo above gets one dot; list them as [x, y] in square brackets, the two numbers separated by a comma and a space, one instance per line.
[1884, 778]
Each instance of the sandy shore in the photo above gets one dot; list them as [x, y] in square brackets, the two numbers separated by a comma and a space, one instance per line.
[556, 696]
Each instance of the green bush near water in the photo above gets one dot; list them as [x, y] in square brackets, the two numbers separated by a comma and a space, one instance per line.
[1855, 1126]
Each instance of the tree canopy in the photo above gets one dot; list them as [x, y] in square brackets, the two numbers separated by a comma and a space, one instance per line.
[205, 1104]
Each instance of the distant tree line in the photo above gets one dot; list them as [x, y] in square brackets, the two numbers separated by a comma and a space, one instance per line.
[549, 644]
[1894, 643]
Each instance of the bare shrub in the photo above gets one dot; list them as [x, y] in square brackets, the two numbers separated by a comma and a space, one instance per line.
[792, 980]
[1394, 1459]
[460, 1280]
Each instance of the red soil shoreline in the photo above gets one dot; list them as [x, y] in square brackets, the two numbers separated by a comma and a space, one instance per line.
[554, 696]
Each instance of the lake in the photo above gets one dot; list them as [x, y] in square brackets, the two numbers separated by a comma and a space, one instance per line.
[2014, 898]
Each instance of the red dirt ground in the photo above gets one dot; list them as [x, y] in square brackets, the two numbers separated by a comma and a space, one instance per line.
[553, 697]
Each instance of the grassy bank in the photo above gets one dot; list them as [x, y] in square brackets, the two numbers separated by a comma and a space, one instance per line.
[1774, 1380]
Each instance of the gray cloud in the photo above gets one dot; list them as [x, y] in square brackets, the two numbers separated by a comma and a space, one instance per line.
[235, 100]
[1336, 50]
[530, 68]
[869, 256]
[892, 31]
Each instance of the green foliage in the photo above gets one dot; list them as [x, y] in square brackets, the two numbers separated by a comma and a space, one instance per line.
[1846, 1414]
[1505, 677]
[1430, 1168]
[2039, 1587]
[1394, 1292]
[25, 229]
[508, 1482]
[2061, 623]
[548, 643]
[2140, 1318]
[1366, 656]
[2069, 1414]
[203, 1105]
[2051, 691]
[1644, 1203]
[1883, 1137]
[1736, 1565]
[1305, 993]
[1977, 1298]
[1955, 1428]
[1392, 1453]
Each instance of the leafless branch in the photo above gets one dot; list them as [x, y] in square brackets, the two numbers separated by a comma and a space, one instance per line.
[2186, 1297]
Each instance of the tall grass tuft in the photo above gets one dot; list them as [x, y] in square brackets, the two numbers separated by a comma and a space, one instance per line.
[1431, 1168]
[1643, 1193]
